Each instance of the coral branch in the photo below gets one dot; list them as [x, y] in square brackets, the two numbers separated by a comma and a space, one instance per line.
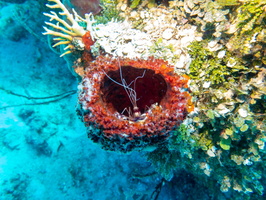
[55, 33]
[65, 31]
[75, 27]
[56, 26]
[61, 43]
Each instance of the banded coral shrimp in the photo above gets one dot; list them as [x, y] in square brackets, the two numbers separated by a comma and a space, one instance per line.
[134, 113]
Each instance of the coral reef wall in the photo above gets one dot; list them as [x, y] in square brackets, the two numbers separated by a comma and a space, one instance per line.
[224, 139]
[216, 48]
[220, 45]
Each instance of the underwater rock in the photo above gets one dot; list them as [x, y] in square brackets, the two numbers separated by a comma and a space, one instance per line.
[12, 140]
[16, 186]
[16, 32]
[40, 145]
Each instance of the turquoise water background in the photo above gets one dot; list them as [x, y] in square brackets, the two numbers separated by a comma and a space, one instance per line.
[44, 150]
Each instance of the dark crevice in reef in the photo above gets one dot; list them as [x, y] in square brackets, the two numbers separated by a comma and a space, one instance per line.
[143, 85]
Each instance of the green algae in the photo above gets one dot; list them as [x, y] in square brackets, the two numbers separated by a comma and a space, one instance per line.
[212, 142]
[109, 12]
[207, 66]
[140, 3]
[165, 161]
[225, 144]
[218, 140]
[244, 128]
[135, 3]
[228, 2]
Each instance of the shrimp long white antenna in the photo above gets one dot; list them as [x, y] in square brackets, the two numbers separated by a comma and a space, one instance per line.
[131, 92]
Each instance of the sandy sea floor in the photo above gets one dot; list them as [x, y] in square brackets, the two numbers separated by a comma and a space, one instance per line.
[44, 148]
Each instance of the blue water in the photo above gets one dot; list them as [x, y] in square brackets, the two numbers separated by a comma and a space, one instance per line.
[44, 150]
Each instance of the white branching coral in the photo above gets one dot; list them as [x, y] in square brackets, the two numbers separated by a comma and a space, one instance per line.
[120, 39]
[115, 38]
[68, 32]
[168, 41]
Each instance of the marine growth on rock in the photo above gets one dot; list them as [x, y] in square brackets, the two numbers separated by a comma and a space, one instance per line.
[126, 101]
